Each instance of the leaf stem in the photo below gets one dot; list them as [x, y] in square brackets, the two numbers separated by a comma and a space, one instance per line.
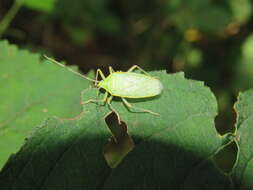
[5, 22]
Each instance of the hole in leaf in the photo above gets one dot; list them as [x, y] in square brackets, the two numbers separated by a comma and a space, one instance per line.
[119, 144]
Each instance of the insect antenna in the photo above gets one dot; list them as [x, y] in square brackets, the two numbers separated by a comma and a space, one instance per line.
[71, 70]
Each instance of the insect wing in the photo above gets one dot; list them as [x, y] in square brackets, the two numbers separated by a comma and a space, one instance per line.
[133, 85]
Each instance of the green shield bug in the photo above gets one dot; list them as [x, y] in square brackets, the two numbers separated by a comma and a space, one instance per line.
[124, 85]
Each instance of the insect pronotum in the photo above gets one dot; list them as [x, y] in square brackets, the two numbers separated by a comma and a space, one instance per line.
[124, 85]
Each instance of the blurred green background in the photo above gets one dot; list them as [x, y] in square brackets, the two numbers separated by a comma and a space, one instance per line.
[210, 40]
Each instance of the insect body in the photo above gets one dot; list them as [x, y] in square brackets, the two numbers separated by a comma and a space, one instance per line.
[124, 85]
[131, 85]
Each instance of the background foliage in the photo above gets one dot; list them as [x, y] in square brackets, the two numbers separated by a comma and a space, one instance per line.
[209, 40]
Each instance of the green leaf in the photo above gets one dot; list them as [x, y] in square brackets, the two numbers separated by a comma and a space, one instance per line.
[242, 172]
[243, 76]
[45, 5]
[203, 15]
[242, 10]
[32, 90]
[170, 149]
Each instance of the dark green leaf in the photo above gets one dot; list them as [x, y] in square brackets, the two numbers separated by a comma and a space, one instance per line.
[171, 149]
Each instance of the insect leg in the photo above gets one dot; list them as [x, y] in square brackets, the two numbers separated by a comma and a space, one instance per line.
[95, 100]
[137, 67]
[105, 98]
[111, 70]
[141, 109]
[109, 100]
[98, 92]
[101, 74]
